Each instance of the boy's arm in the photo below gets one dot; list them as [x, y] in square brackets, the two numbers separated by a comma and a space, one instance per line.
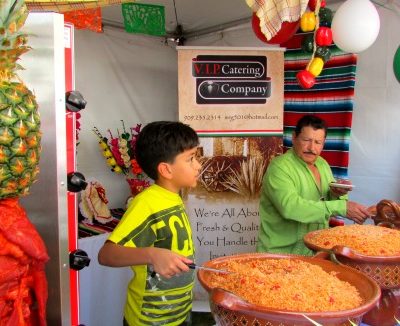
[165, 262]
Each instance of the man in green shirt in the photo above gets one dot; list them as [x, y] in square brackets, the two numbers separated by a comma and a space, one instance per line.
[296, 197]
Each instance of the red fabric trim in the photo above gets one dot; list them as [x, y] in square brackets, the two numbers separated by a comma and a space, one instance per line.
[339, 119]
[327, 95]
[336, 158]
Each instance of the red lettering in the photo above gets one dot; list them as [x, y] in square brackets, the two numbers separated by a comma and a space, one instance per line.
[197, 68]
[217, 68]
[207, 69]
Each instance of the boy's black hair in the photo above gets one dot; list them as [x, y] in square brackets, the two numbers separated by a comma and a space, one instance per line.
[310, 120]
[162, 141]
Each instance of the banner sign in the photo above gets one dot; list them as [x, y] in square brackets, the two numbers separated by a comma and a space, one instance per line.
[231, 79]
[223, 208]
[231, 91]
[233, 98]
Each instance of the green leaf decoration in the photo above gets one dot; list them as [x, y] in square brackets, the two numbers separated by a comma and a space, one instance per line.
[144, 18]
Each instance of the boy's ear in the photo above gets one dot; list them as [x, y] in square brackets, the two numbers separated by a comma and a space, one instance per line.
[164, 170]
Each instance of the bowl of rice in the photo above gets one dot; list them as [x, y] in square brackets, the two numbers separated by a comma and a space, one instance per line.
[372, 250]
[269, 289]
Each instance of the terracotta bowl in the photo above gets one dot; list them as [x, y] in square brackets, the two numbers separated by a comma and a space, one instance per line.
[385, 270]
[229, 309]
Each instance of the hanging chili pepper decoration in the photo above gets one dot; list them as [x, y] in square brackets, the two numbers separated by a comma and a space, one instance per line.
[317, 20]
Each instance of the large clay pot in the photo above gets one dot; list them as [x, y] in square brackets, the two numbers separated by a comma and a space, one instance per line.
[228, 309]
[386, 311]
[385, 270]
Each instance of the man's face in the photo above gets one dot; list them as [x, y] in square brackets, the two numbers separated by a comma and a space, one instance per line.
[309, 143]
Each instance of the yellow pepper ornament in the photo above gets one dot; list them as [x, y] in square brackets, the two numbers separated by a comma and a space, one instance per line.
[308, 21]
[315, 66]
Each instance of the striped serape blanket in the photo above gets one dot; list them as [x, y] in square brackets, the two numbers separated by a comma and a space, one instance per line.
[331, 98]
[87, 230]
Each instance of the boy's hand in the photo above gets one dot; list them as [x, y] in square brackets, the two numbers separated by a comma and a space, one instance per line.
[168, 263]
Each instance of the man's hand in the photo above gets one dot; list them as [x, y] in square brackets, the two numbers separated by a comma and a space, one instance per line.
[357, 212]
[339, 191]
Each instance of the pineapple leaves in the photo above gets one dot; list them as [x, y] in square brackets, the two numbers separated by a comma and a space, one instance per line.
[15, 16]
[5, 6]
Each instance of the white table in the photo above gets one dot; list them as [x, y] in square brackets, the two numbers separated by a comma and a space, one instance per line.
[102, 290]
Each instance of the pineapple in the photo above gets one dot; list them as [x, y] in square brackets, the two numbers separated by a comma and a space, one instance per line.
[19, 118]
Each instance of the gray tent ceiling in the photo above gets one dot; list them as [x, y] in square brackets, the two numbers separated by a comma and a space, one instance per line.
[193, 15]
[202, 16]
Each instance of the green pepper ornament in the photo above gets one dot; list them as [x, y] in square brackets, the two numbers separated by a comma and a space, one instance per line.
[325, 17]
[307, 44]
[323, 52]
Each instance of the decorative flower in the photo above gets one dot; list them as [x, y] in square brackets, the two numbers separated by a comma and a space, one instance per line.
[119, 153]
[136, 169]
[137, 185]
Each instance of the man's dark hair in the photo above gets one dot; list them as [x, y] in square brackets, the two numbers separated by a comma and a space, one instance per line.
[310, 120]
[162, 141]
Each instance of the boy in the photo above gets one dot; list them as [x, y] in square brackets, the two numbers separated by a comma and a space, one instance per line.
[154, 236]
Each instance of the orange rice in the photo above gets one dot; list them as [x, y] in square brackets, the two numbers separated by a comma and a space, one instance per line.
[369, 240]
[287, 284]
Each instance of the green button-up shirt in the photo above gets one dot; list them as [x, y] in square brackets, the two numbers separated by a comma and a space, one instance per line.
[291, 204]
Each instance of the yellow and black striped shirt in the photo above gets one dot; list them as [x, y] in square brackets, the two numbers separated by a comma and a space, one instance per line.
[157, 218]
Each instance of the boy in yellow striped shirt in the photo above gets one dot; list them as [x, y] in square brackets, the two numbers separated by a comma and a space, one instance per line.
[154, 236]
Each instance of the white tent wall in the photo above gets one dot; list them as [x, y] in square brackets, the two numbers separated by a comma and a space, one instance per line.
[122, 77]
[375, 141]
[134, 78]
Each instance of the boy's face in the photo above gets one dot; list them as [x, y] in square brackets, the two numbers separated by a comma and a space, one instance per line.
[185, 169]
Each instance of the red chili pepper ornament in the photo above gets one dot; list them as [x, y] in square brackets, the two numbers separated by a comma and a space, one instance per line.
[305, 79]
[313, 3]
[323, 36]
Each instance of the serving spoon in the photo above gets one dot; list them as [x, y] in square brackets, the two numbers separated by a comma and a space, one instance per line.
[209, 269]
